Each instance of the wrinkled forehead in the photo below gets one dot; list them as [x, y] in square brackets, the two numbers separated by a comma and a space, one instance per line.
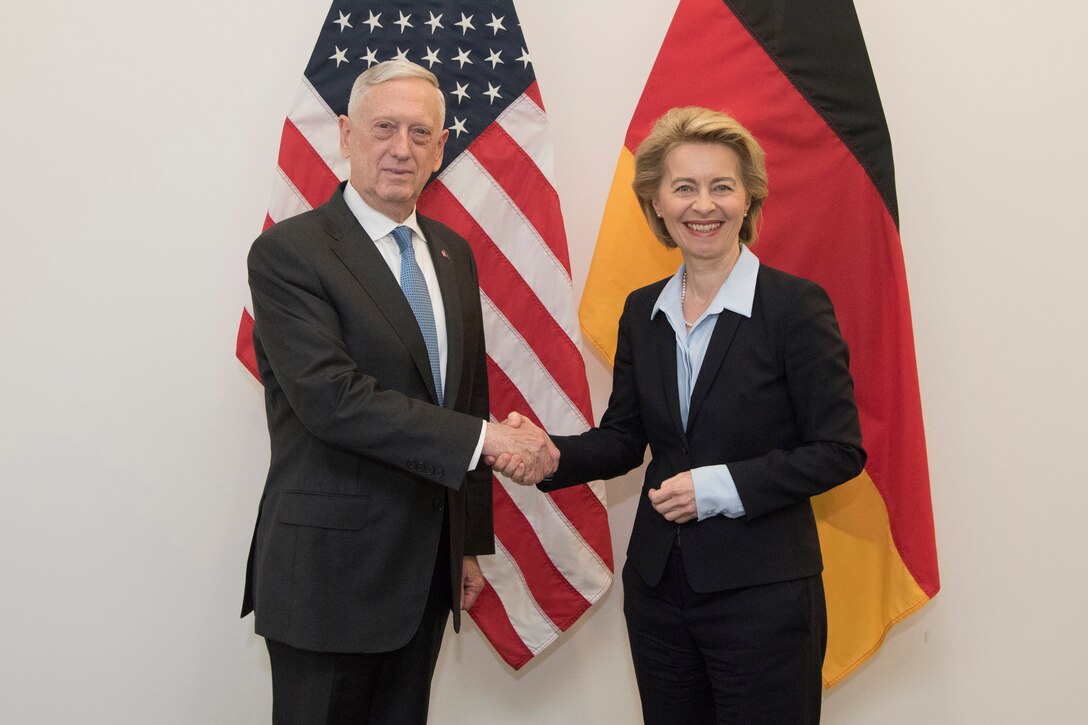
[403, 99]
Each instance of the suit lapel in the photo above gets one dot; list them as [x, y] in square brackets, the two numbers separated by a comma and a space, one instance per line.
[442, 259]
[725, 329]
[665, 337]
[357, 252]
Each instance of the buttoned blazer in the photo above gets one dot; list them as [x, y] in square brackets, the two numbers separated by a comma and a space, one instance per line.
[364, 463]
[774, 400]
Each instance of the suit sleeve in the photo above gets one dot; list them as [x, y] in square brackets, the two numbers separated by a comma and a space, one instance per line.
[298, 330]
[618, 445]
[821, 393]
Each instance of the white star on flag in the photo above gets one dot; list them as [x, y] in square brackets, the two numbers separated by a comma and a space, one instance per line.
[462, 57]
[496, 24]
[340, 56]
[466, 24]
[458, 126]
[432, 57]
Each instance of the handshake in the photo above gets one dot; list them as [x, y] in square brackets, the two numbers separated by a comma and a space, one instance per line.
[520, 450]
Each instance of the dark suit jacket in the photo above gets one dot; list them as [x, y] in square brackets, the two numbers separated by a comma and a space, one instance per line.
[364, 464]
[774, 400]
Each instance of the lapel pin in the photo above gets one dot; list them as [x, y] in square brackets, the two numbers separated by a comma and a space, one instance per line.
[445, 254]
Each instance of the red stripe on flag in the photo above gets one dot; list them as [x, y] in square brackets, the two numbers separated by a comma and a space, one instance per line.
[586, 512]
[533, 91]
[243, 345]
[305, 167]
[505, 396]
[517, 301]
[578, 504]
[521, 179]
[491, 617]
[267, 222]
[560, 601]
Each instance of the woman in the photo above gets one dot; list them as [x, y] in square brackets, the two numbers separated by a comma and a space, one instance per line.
[736, 376]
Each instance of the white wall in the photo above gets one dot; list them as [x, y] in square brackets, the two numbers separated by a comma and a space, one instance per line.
[137, 143]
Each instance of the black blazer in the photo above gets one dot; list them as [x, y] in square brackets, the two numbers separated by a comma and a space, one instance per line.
[774, 400]
[364, 464]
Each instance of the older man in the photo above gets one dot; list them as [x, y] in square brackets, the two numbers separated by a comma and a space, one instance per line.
[370, 344]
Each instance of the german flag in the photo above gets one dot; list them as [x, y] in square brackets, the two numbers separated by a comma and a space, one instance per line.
[797, 74]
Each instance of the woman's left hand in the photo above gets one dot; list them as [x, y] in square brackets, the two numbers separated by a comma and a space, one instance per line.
[675, 499]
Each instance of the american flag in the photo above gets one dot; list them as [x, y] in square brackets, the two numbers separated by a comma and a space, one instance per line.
[496, 188]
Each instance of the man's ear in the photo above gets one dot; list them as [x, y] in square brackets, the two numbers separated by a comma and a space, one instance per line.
[345, 132]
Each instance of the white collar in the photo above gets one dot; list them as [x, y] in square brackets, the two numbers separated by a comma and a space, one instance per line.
[737, 293]
[374, 223]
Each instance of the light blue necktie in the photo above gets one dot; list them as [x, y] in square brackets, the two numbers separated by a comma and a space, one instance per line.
[415, 289]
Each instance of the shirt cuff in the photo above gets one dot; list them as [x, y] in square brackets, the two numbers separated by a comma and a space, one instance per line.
[475, 460]
[716, 493]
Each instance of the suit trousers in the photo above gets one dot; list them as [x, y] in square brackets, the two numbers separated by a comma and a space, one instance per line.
[751, 655]
[381, 688]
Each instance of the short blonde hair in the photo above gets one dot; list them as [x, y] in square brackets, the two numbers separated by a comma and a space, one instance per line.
[692, 124]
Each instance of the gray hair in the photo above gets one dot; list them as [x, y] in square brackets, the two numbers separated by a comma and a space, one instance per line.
[391, 70]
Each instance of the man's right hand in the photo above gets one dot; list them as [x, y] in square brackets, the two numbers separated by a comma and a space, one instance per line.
[520, 450]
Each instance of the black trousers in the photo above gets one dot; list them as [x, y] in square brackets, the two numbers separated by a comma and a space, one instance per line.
[383, 688]
[748, 656]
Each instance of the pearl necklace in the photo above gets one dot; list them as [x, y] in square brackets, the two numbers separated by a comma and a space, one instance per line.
[684, 296]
